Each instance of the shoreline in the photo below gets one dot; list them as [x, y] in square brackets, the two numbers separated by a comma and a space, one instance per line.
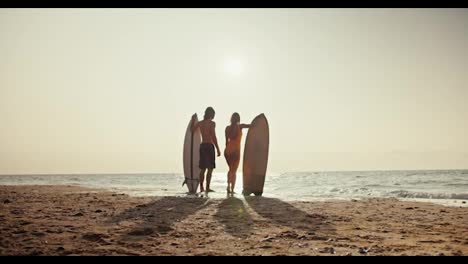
[459, 203]
[72, 220]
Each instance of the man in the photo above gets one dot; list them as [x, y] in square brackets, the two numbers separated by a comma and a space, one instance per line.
[207, 154]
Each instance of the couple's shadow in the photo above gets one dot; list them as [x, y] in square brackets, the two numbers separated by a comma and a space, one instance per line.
[159, 217]
[233, 214]
[238, 222]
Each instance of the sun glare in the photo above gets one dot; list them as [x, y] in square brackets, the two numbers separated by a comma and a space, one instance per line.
[233, 67]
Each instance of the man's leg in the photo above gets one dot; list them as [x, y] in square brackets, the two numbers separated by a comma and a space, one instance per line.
[202, 177]
[208, 179]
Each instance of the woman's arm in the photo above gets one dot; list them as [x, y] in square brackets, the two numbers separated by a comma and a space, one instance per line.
[245, 126]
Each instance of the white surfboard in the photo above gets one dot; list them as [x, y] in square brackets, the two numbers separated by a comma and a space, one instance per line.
[256, 156]
[191, 157]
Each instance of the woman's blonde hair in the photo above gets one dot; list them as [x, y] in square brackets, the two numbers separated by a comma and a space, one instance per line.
[235, 118]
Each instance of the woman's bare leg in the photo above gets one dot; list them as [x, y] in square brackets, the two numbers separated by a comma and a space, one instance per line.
[234, 168]
[229, 181]
[233, 182]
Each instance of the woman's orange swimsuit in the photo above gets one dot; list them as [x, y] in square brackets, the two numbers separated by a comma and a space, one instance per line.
[232, 151]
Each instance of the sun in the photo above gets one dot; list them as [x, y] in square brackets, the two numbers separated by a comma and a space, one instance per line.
[233, 67]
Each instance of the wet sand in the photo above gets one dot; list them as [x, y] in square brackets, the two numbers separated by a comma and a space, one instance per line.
[68, 220]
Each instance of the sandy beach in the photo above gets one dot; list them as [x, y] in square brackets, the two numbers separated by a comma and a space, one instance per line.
[68, 220]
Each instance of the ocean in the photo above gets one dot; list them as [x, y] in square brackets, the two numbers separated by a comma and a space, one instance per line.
[447, 187]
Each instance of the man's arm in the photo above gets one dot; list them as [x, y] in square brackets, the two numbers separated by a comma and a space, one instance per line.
[213, 137]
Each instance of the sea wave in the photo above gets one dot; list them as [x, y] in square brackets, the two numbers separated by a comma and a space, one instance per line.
[456, 184]
[426, 195]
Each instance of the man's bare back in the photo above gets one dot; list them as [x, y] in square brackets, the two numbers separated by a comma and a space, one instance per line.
[207, 128]
[208, 132]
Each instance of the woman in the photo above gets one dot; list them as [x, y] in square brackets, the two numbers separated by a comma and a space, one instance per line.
[233, 134]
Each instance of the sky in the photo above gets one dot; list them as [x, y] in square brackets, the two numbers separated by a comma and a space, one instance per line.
[112, 90]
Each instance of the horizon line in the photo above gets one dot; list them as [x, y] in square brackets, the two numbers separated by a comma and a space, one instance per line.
[300, 171]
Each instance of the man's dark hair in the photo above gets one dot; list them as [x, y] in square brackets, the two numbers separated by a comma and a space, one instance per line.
[209, 113]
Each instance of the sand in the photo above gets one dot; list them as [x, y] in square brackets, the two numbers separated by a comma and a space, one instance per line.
[68, 220]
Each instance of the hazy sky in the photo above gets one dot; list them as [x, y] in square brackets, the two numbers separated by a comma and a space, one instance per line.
[112, 90]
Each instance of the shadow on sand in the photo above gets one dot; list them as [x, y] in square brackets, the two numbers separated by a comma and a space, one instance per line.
[159, 216]
[235, 218]
[285, 214]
